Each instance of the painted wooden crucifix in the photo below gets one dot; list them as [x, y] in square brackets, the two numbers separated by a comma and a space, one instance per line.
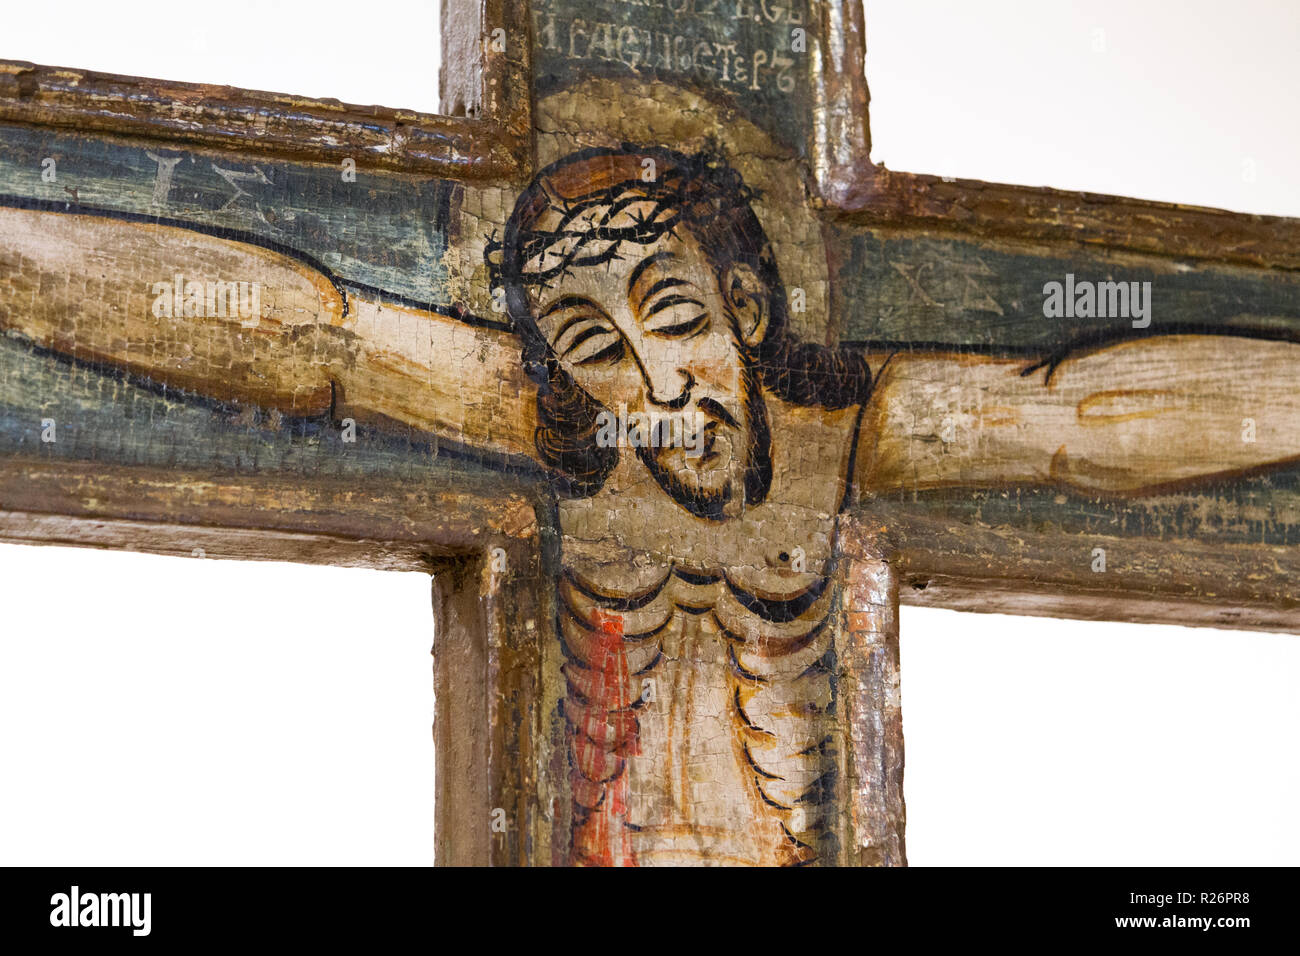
[672, 391]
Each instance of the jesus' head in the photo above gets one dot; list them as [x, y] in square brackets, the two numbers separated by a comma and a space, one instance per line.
[640, 278]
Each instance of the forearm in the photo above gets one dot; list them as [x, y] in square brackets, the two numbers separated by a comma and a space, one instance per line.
[139, 297]
[1133, 417]
[1156, 412]
[115, 293]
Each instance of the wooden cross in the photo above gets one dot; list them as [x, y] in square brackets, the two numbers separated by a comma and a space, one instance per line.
[673, 392]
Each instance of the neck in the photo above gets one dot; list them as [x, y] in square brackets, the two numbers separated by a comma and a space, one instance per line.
[633, 508]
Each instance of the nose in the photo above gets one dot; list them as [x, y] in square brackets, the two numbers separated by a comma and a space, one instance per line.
[664, 369]
[670, 388]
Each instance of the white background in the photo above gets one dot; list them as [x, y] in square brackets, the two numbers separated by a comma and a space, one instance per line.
[157, 710]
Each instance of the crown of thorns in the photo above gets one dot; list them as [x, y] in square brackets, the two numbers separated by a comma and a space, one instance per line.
[590, 228]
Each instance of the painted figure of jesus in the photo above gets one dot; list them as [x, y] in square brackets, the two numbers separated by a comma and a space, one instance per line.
[697, 591]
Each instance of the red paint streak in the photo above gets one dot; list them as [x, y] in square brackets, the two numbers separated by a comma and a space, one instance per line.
[602, 839]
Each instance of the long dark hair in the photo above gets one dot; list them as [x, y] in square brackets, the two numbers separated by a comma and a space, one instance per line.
[578, 212]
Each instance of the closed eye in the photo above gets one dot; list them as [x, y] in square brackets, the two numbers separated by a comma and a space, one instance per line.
[589, 340]
[680, 314]
[607, 349]
[682, 322]
[584, 335]
[668, 301]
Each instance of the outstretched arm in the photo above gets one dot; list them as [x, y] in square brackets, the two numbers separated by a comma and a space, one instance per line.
[1130, 418]
[84, 286]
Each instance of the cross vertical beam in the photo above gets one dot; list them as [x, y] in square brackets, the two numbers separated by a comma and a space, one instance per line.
[495, 730]
[463, 802]
[872, 803]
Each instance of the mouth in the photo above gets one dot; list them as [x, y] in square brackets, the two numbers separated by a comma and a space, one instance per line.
[708, 454]
[718, 417]
[701, 449]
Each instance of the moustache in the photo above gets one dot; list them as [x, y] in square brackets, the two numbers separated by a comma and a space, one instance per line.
[715, 410]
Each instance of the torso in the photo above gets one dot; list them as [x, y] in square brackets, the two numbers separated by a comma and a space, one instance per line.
[700, 667]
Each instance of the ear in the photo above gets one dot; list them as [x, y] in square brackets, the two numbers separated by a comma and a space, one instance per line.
[746, 296]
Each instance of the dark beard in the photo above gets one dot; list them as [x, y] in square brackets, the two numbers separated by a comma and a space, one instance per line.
[758, 463]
